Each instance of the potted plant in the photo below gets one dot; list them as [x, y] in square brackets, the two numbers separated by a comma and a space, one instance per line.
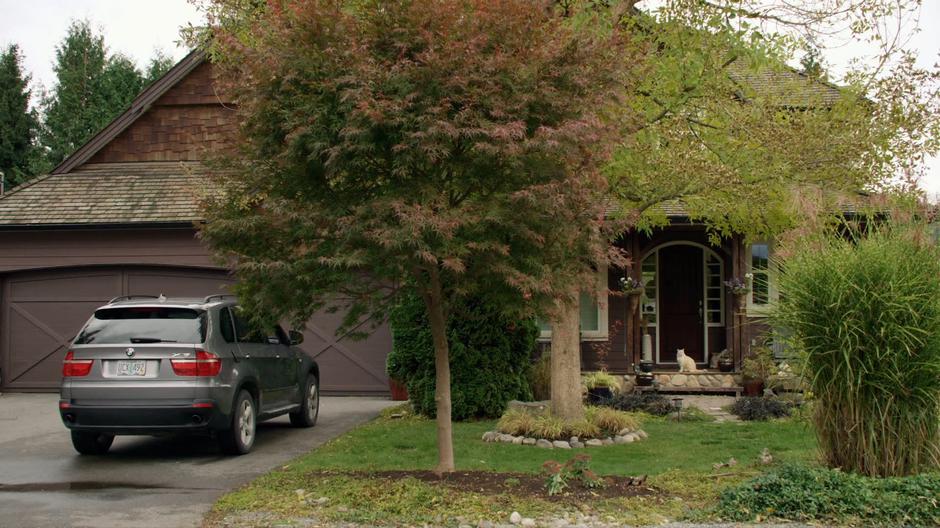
[398, 389]
[600, 386]
[756, 370]
[739, 288]
[725, 361]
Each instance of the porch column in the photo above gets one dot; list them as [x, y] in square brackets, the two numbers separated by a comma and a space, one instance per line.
[738, 318]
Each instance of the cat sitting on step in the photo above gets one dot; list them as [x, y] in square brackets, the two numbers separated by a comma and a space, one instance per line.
[686, 364]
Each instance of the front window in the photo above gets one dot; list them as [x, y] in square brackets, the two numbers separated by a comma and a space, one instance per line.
[761, 291]
[592, 307]
[144, 324]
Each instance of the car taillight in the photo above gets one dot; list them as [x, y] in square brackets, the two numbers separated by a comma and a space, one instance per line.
[73, 368]
[205, 364]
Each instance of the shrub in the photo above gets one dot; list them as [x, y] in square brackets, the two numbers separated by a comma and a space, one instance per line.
[866, 316]
[599, 422]
[800, 493]
[759, 408]
[610, 421]
[516, 422]
[548, 427]
[489, 357]
[584, 429]
[649, 402]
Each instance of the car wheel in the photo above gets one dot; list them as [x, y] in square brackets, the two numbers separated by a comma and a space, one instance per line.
[309, 410]
[92, 443]
[239, 438]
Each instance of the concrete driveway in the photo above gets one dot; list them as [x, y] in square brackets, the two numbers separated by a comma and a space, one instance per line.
[143, 481]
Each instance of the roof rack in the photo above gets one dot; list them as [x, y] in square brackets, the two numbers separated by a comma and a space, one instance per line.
[131, 297]
[219, 296]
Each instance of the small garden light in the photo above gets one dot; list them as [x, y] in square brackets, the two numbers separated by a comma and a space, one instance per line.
[677, 403]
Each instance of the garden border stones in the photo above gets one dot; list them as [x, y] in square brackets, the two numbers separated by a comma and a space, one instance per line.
[626, 436]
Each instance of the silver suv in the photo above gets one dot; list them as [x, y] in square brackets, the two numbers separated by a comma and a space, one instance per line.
[145, 365]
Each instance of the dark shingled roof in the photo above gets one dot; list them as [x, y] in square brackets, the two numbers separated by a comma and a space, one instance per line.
[107, 193]
[785, 86]
[78, 193]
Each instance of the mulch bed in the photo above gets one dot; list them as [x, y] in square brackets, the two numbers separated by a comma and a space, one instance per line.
[520, 484]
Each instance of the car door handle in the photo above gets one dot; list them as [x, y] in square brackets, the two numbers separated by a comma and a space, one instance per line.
[277, 356]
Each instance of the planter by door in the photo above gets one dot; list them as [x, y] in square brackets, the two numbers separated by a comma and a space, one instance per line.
[753, 387]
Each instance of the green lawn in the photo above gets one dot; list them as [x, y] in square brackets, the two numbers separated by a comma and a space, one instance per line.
[410, 444]
[679, 458]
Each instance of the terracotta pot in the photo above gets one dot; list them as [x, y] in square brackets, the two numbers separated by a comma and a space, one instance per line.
[399, 391]
[753, 387]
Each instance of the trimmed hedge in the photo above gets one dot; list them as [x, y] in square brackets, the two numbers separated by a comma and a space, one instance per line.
[490, 357]
[649, 402]
[801, 493]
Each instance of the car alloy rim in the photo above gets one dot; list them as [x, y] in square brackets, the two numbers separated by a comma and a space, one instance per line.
[246, 423]
[312, 401]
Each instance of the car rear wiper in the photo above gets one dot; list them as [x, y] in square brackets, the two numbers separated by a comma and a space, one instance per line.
[151, 340]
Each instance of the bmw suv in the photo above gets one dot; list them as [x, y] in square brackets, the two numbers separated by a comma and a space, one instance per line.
[145, 365]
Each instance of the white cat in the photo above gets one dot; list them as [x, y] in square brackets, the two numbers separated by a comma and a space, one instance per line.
[686, 364]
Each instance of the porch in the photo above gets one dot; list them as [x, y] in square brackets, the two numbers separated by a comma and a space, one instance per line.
[684, 304]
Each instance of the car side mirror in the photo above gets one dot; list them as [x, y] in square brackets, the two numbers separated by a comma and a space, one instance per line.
[296, 337]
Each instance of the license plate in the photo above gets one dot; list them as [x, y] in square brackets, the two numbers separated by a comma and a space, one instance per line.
[132, 368]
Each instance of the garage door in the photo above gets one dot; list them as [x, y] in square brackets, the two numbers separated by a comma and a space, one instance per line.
[42, 311]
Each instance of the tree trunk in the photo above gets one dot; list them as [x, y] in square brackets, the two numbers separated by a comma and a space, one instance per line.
[566, 361]
[434, 302]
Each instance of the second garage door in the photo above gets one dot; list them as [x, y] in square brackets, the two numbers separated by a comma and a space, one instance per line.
[41, 312]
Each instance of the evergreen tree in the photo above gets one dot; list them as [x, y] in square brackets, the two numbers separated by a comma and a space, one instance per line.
[17, 121]
[159, 64]
[91, 89]
[121, 82]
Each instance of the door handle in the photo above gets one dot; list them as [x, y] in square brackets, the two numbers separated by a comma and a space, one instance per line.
[700, 311]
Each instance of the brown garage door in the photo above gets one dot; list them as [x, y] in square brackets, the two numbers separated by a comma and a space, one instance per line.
[41, 312]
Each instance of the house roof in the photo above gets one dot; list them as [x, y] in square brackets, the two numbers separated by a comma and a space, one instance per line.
[138, 107]
[83, 194]
[789, 87]
[108, 193]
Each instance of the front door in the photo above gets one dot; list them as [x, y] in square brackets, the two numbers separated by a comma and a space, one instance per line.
[681, 303]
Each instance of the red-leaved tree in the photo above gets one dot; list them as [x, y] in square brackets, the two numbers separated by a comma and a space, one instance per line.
[450, 146]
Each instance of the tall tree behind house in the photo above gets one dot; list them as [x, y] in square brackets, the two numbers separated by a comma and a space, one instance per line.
[18, 124]
[92, 88]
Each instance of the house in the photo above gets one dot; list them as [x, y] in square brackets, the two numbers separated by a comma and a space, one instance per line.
[118, 217]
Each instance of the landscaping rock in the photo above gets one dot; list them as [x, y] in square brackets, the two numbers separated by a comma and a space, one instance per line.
[515, 518]
[490, 436]
[561, 444]
[627, 439]
[528, 522]
[484, 524]
[573, 439]
[528, 441]
[506, 438]
[541, 442]
[534, 408]
[642, 434]
[576, 444]
[625, 432]
[594, 442]
[518, 440]
[607, 441]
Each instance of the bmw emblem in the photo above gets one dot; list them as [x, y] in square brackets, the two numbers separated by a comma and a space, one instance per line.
[129, 352]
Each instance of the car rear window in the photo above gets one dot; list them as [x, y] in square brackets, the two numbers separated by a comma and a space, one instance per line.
[144, 324]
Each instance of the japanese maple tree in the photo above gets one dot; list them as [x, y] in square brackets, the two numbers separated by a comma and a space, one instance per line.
[450, 146]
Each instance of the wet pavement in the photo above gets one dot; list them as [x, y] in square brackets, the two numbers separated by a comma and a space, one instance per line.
[142, 481]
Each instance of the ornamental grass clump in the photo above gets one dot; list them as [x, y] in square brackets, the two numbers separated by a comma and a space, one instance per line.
[865, 314]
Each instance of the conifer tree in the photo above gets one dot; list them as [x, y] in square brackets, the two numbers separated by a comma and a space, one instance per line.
[18, 150]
